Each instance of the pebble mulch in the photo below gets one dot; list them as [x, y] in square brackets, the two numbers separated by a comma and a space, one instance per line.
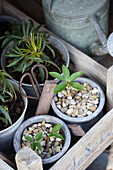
[78, 103]
[50, 146]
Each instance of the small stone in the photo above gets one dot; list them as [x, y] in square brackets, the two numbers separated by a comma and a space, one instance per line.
[55, 98]
[59, 106]
[42, 143]
[35, 130]
[60, 95]
[85, 112]
[50, 150]
[56, 143]
[57, 148]
[63, 104]
[92, 108]
[43, 122]
[75, 111]
[73, 101]
[80, 112]
[35, 125]
[31, 129]
[58, 139]
[24, 132]
[71, 106]
[89, 113]
[39, 124]
[69, 97]
[64, 92]
[94, 91]
[28, 144]
[58, 103]
[52, 138]
[69, 111]
[23, 138]
[63, 109]
[23, 145]
[47, 125]
[68, 101]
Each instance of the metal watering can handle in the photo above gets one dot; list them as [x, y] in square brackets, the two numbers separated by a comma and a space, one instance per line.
[107, 44]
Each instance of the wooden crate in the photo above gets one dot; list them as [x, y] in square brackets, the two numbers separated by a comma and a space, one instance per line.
[100, 136]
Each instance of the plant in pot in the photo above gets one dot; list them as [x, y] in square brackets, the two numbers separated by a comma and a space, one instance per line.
[47, 135]
[78, 100]
[7, 27]
[12, 110]
[31, 47]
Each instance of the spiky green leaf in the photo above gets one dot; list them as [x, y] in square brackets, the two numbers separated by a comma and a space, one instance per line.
[28, 138]
[56, 128]
[75, 76]
[66, 72]
[39, 146]
[76, 85]
[60, 87]
[38, 136]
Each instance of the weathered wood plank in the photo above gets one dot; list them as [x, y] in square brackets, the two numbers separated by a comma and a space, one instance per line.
[27, 159]
[81, 60]
[110, 88]
[89, 147]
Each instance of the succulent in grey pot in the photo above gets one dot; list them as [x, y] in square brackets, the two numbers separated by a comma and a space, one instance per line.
[48, 119]
[79, 101]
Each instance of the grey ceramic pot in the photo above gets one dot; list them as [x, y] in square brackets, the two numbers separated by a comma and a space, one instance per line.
[85, 122]
[6, 135]
[49, 119]
[54, 42]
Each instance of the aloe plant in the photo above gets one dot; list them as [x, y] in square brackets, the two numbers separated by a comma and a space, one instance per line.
[67, 80]
[7, 93]
[29, 49]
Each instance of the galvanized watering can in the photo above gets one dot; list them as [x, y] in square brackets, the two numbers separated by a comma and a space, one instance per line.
[82, 23]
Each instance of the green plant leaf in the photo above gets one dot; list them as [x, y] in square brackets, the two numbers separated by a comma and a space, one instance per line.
[3, 120]
[6, 114]
[33, 146]
[39, 146]
[75, 76]
[66, 72]
[57, 75]
[76, 85]
[15, 62]
[23, 28]
[28, 138]
[60, 87]
[57, 135]
[56, 128]
[38, 136]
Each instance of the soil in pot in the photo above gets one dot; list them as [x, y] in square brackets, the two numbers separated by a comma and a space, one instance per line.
[16, 108]
[50, 145]
[57, 59]
[75, 103]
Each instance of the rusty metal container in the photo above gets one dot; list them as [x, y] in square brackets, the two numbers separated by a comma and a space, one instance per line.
[75, 21]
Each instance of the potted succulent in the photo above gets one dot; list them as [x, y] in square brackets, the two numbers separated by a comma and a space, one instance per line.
[30, 47]
[77, 100]
[47, 135]
[12, 110]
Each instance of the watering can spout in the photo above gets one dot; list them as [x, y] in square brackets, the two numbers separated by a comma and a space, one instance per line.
[105, 47]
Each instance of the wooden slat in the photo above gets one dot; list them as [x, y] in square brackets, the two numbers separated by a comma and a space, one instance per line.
[89, 147]
[81, 60]
[110, 88]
